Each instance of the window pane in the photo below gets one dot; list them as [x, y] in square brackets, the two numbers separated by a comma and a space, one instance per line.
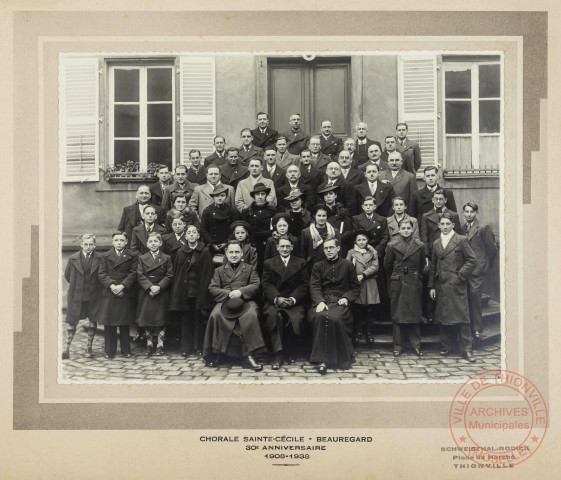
[489, 81]
[458, 117]
[159, 84]
[160, 120]
[489, 153]
[126, 85]
[126, 154]
[160, 151]
[458, 153]
[489, 116]
[127, 121]
[458, 84]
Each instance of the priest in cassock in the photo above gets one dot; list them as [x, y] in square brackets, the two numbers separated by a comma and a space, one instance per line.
[333, 287]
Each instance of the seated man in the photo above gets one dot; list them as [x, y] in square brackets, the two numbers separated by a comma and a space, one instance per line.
[285, 286]
[333, 286]
[233, 325]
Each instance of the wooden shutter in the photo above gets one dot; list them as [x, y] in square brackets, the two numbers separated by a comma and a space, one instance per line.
[197, 105]
[418, 102]
[79, 119]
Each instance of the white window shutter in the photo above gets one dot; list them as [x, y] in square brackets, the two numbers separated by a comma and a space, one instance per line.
[197, 105]
[418, 102]
[79, 119]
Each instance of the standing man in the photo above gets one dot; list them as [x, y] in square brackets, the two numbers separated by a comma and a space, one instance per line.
[382, 192]
[349, 145]
[410, 150]
[293, 183]
[362, 144]
[272, 171]
[351, 175]
[319, 160]
[421, 200]
[217, 158]
[196, 173]
[232, 171]
[330, 145]
[248, 151]
[404, 183]
[202, 198]
[310, 175]
[246, 186]
[263, 136]
[482, 242]
[391, 144]
[296, 137]
[284, 158]
[374, 157]
[132, 215]
[347, 194]
[157, 188]
[180, 184]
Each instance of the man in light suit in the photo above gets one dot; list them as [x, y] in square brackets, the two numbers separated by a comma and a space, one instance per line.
[263, 136]
[403, 182]
[319, 160]
[217, 158]
[284, 158]
[201, 195]
[296, 137]
[248, 151]
[362, 144]
[409, 150]
[330, 145]
[245, 187]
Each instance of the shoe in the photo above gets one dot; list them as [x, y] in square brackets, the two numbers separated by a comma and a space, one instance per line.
[149, 351]
[249, 362]
[469, 357]
[369, 340]
[444, 352]
[418, 352]
[477, 335]
[322, 369]
[65, 354]
[127, 355]
[199, 353]
[277, 362]
[109, 357]
[357, 339]
[210, 363]
[185, 354]
[160, 352]
[396, 353]
[139, 338]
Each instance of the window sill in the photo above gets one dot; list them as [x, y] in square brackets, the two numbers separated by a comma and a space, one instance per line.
[129, 177]
[471, 173]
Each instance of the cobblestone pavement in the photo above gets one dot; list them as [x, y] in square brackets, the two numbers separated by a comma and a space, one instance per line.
[372, 365]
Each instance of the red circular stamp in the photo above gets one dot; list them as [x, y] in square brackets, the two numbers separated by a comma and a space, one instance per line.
[498, 418]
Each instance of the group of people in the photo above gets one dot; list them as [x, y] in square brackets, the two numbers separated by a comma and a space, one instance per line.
[288, 240]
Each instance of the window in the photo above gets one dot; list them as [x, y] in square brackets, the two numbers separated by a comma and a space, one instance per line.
[141, 116]
[472, 99]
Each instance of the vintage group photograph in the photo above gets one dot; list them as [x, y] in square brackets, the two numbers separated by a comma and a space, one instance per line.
[290, 217]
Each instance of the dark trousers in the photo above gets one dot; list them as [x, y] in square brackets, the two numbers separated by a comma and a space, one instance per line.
[111, 339]
[192, 331]
[448, 334]
[363, 316]
[475, 310]
[409, 330]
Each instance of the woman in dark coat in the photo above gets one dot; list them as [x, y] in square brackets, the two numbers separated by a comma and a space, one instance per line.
[338, 216]
[155, 276]
[241, 233]
[300, 217]
[453, 261]
[189, 295]
[404, 264]
[117, 275]
[313, 237]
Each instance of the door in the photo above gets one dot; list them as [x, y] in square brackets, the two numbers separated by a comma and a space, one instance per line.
[318, 90]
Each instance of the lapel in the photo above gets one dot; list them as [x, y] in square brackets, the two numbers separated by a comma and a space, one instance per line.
[474, 229]
[277, 266]
[381, 192]
[400, 246]
[433, 217]
[451, 245]
[284, 160]
[125, 256]
[397, 178]
[134, 215]
[142, 235]
[197, 248]
[206, 189]
[392, 225]
[231, 274]
[362, 259]
[412, 248]
[152, 262]
[295, 138]
[77, 261]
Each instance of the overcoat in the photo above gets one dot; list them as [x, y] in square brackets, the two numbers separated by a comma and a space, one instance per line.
[393, 227]
[296, 141]
[278, 177]
[264, 139]
[151, 311]
[251, 152]
[216, 159]
[201, 197]
[131, 218]
[384, 195]
[482, 241]
[421, 202]
[312, 177]
[284, 191]
[430, 230]
[140, 237]
[157, 191]
[354, 177]
[232, 174]
[118, 270]
[366, 264]
[449, 272]
[331, 145]
[320, 161]
[215, 223]
[193, 271]
[281, 281]
[286, 159]
[411, 153]
[74, 274]
[404, 263]
[171, 244]
[377, 228]
[404, 183]
[197, 177]
[219, 329]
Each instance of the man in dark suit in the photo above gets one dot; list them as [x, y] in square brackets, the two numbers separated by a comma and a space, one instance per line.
[482, 242]
[430, 221]
[292, 183]
[349, 144]
[319, 160]
[351, 175]
[272, 171]
[196, 173]
[232, 171]
[421, 200]
[263, 136]
[362, 144]
[217, 158]
[391, 146]
[310, 175]
[297, 138]
[330, 145]
[410, 151]
[374, 224]
[285, 287]
[347, 194]
[132, 214]
[374, 157]
[382, 192]
[248, 151]
[180, 184]
[157, 188]
[403, 182]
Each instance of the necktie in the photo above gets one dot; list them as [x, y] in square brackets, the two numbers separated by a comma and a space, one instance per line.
[372, 188]
[468, 227]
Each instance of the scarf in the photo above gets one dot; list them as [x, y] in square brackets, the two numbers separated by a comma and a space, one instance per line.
[316, 237]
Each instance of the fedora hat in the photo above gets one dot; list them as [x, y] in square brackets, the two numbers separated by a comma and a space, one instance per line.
[260, 187]
[234, 308]
[218, 190]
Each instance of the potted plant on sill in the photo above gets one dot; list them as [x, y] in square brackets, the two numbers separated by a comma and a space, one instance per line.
[130, 172]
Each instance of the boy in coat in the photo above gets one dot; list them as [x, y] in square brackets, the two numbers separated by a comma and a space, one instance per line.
[155, 276]
[285, 287]
[117, 275]
[83, 292]
[453, 261]
[141, 232]
[482, 241]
